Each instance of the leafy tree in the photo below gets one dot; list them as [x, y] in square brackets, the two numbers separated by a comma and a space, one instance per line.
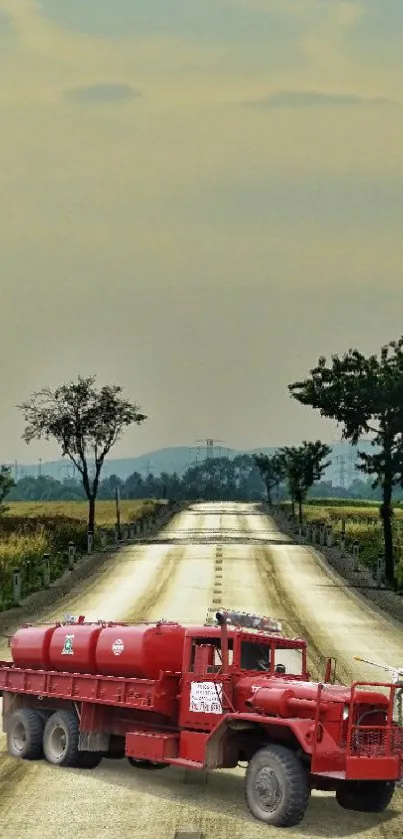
[303, 466]
[364, 396]
[134, 485]
[272, 471]
[85, 422]
[6, 485]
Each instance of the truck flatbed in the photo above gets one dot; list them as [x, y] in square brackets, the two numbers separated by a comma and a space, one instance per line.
[147, 694]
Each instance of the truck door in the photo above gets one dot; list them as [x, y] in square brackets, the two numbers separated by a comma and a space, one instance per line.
[205, 690]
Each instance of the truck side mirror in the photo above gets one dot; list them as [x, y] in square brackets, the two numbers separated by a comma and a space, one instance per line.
[330, 671]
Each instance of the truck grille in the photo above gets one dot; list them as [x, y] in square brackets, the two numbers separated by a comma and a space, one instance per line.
[379, 741]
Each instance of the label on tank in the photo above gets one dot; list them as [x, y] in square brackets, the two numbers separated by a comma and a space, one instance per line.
[68, 645]
[118, 646]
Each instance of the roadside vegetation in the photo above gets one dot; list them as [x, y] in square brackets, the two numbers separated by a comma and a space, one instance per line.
[364, 396]
[28, 531]
[360, 522]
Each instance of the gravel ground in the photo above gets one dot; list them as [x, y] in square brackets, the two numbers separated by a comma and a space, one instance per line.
[180, 582]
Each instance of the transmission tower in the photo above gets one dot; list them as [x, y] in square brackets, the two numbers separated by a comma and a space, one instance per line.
[209, 447]
[67, 471]
[344, 470]
[341, 462]
[351, 468]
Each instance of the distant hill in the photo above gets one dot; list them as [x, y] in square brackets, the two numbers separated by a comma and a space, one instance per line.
[178, 459]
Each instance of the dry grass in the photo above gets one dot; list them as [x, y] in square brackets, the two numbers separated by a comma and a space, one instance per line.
[333, 513]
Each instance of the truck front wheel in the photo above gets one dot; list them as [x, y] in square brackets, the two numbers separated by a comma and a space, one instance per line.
[276, 786]
[60, 739]
[25, 734]
[365, 796]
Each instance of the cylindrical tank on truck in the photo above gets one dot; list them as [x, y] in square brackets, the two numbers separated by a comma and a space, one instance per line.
[138, 651]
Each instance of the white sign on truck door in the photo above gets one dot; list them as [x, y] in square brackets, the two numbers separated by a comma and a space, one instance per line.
[206, 698]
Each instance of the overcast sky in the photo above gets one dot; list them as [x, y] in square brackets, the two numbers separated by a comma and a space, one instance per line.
[198, 200]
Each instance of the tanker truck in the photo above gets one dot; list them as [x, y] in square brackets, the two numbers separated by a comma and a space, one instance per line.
[202, 697]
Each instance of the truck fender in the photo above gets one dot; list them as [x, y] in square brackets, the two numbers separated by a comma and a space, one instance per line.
[297, 736]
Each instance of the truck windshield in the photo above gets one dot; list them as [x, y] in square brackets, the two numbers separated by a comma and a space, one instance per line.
[255, 656]
[289, 661]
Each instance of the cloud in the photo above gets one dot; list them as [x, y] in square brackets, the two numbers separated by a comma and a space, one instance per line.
[102, 92]
[313, 99]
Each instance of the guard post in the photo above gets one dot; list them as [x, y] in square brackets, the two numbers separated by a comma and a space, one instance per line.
[46, 570]
[16, 586]
[72, 555]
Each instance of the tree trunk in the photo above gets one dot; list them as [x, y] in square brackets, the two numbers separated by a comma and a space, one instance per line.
[293, 506]
[268, 490]
[91, 514]
[300, 510]
[386, 516]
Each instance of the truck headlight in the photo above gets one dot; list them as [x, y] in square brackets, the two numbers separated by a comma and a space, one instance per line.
[346, 711]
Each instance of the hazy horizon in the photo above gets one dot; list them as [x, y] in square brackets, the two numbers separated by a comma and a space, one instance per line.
[199, 201]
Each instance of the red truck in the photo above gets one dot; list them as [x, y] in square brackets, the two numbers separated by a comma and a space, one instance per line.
[202, 697]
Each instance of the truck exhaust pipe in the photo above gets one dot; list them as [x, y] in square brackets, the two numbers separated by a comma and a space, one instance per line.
[224, 641]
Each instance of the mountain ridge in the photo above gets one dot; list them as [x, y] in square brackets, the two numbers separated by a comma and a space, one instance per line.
[179, 458]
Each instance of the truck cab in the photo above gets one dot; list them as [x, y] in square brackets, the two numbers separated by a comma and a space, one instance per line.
[221, 664]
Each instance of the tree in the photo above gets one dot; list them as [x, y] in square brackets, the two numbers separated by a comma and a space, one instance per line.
[6, 484]
[303, 466]
[272, 471]
[364, 396]
[85, 422]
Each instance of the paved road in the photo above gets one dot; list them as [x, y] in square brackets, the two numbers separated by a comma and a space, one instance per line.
[261, 571]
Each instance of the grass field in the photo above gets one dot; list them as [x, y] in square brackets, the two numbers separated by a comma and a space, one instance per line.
[105, 510]
[30, 529]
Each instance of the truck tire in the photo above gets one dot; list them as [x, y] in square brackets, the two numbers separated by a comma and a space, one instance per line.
[89, 760]
[276, 786]
[60, 739]
[365, 796]
[25, 734]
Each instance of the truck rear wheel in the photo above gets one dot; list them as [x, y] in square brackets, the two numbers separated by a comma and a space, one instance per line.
[276, 786]
[25, 734]
[60, 739]
[89, 760]
[365, 796]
